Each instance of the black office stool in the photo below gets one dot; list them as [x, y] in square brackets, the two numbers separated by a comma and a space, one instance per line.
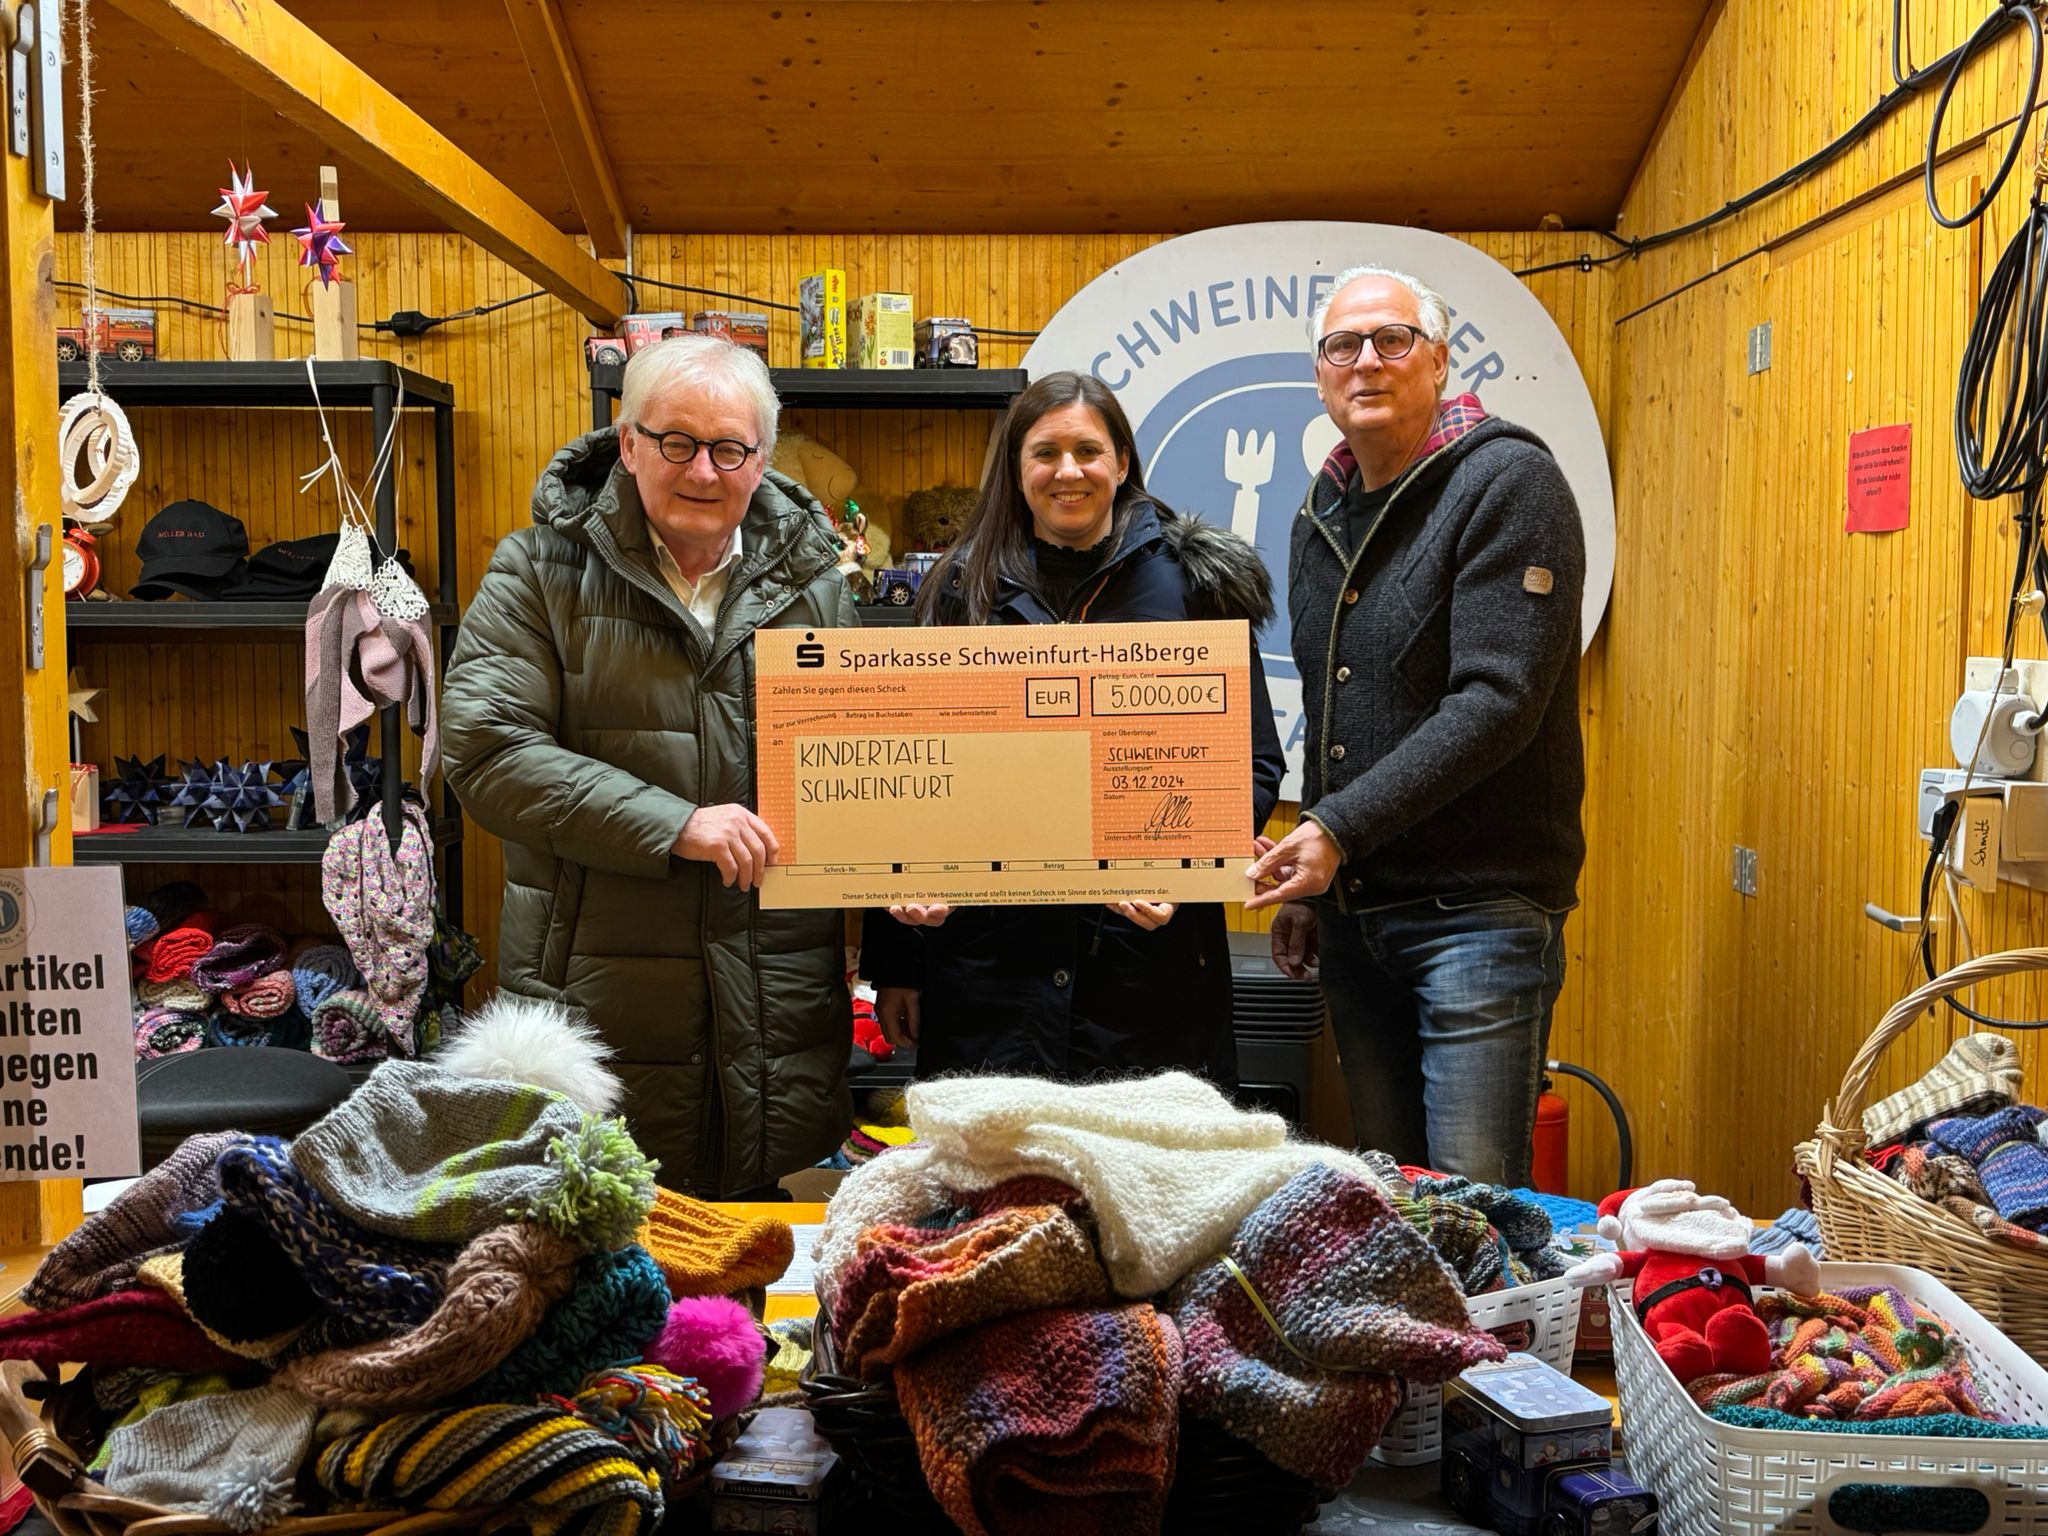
[265, 1089]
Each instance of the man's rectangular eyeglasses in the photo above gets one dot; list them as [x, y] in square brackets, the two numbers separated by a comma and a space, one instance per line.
[727, 453]
[1340, 349]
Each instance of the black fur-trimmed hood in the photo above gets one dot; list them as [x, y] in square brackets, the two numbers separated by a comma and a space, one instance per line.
[1225, 577]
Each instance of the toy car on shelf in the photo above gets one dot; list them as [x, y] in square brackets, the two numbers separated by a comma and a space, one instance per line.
[1528, 1452]
[127, 334]
[896, 585]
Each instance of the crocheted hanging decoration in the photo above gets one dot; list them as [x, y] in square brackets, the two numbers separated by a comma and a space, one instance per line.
[662, 1419]
[190, 791]
[241, 799]
[135, 792]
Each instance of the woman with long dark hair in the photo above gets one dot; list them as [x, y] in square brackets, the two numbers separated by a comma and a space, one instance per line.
[1065, 534]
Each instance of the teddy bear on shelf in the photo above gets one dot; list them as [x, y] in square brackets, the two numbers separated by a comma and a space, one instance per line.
[1688, 1254]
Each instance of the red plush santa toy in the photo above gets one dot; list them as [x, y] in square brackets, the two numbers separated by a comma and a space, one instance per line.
[1688, 1254]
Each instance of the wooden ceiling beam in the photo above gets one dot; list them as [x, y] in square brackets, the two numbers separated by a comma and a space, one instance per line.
[264, 49]
[564, 101]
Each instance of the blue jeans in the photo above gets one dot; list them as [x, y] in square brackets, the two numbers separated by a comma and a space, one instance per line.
[1442, 1016]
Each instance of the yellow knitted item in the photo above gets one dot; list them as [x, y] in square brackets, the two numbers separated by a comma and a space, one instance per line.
[893, 1135]
[703, 1251]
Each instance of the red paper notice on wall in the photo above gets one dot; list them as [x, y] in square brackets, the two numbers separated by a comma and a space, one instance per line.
[1880, 475]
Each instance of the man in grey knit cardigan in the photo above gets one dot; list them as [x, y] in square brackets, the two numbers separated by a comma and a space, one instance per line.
[1434, 582]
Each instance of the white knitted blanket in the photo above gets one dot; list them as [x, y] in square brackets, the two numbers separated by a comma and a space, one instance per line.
[1168, 1165]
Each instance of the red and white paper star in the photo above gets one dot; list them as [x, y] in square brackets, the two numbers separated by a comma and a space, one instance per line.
[245, 210]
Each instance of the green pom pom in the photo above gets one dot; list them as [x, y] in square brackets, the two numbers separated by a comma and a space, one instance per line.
[603, 1188]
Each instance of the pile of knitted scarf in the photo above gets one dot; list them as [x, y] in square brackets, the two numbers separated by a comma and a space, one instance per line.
[998, 1268]
[1859, 1354]
[454, 1259]
[1990, 1170]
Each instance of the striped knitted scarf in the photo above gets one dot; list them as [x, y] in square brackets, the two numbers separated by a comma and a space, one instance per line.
[566, 1476]
[908, 1286]
[1064, 1419]
[1300, 1337]
[1865, 1352]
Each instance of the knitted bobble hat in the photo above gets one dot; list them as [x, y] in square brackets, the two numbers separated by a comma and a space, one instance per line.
[616, 1307]
[418, 1152]
[714, 1341]
[233, 1456]
[155, 1214]
[532, 1040]
[498, 1292]
[704, 1251]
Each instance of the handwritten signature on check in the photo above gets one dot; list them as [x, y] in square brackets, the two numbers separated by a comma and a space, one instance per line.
[1172, 814]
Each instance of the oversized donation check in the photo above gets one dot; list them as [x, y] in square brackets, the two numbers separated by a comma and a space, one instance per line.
[1014, 763]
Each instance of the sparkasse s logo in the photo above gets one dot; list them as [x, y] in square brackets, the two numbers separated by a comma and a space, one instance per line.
[1204, 339]
[809, 653]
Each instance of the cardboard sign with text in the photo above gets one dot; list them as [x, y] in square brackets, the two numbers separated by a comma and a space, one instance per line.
[67, 1037]
[1042, 763]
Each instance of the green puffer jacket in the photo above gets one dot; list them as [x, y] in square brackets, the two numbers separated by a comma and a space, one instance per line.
[585, 714]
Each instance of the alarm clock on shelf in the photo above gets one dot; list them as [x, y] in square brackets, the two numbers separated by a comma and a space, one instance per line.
[81, 563]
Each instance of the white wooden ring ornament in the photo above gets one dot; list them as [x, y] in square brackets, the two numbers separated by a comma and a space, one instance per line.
[93, 431]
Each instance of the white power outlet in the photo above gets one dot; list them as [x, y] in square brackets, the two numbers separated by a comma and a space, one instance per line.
[1980, 672]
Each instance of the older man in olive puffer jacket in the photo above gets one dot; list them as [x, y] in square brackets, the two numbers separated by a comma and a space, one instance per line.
[598, 717]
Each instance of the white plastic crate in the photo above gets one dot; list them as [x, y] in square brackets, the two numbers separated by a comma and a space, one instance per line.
[1551, 1307]
[1714, 1479]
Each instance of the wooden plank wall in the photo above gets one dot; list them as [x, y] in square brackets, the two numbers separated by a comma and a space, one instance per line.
[1773, 681]
[521, 392]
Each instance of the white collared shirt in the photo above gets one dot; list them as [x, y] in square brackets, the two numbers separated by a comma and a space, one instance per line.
[703, 595]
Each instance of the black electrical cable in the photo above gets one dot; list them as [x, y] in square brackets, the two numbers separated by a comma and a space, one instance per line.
[710, 293]
[143, 298]
[2001, 423]
[1614, 1107]
[1900, 73]
[1991, 28]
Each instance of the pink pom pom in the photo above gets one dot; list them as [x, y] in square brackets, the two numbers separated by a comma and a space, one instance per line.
[713, 1338]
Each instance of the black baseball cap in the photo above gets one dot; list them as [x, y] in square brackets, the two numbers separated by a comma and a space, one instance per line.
[290, 568]
[190, 547]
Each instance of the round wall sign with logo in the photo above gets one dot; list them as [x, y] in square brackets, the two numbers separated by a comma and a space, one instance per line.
[1204, 339]
[17, 914]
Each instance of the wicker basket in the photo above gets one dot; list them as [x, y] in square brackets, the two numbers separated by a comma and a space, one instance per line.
[1222, 1487]
[77, 1505]
[1868, 1218]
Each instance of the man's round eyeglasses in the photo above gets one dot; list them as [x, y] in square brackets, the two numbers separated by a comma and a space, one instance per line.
[727, 453]
[1340, 349]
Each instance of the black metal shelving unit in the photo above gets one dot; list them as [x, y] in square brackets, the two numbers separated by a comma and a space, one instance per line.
[373, 384]
[854, 389]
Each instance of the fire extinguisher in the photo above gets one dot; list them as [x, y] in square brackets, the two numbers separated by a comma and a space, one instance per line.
[1550, 1168]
